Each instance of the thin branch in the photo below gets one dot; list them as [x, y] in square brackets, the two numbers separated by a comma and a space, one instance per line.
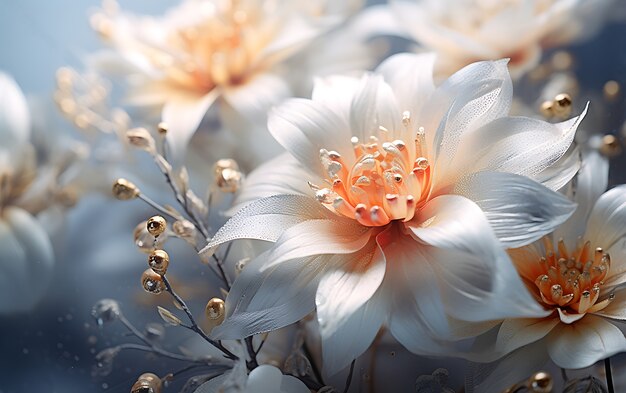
[164, 353]
[194, 326]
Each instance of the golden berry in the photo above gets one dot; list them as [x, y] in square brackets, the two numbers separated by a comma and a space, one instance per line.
[156, 225]
[147, 383]
[215, 309]
[158, 261]
[540, 382]
[152, 282]
[562, 105]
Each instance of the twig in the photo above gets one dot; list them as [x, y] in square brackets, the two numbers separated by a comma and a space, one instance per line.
[252, 364]
[609, 375]
[194, 326]
[158, 207]
[349, 380]
[164, 353]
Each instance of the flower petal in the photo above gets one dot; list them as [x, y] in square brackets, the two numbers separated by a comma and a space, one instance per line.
[617, 308]
[14, 114]
[520, 210]
[183, 113]
[584, 342]
[374, 105]
[279, 286]
[477, 279]
[350, 306]
[515, 333]
[607, 219]
[303, 127]
[266, 219]
[336, 92]
[26, 258]
[280, 175]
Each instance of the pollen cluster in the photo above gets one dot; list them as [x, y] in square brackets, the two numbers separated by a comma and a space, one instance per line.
[572, 279]
[388, 181]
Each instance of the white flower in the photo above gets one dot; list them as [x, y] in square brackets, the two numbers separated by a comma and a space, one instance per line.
[464, 31]
[206, 51]
[386, 233]
[263, 379]
[578, 279]
[26, 254]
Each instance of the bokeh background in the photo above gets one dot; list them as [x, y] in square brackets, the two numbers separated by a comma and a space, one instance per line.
[52, 348]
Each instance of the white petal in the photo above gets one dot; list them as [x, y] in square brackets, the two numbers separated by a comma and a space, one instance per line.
[497, 376]
[303, 127]
[377, 20]
[26, 259]
[183, 114]
[518, 145]
[518, 332]
[280, 175]
[477, 279]
[617, 308]
[355, 334]
[336, 92]
[263, 299]
[14, 114]
[253, 99]
[590, 182]
[267, 218]
[411, 79]
[561, 172]
[519, 210]
[279, 286]
[607, 220]
[374, 105]
[584, 342]
[469, 99]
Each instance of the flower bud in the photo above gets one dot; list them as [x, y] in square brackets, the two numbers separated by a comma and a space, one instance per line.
[147, 383]
[125, 190]
[152, 282]
[610, 146]
[229, 180]
[225, 163]
[562, 105]
[158, 261]
[162, 128]
[156, 225]
[140, 138]
[105, 310]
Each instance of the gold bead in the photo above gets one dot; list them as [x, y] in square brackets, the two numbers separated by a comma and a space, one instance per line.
[225, 163]
[610, 146]
[158, 261]
[147, 383]
[562, 105]
[156, 225]
[152, 282]
[229, 180]
[611, 90]
[540, 382]
[547, 108]
[162, 128]
[125, 190]
[215, 309]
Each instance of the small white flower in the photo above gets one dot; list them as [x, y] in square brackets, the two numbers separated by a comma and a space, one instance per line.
[263, 379]
[406, 182]
[205, 51]
[577, 274]
[464, 31]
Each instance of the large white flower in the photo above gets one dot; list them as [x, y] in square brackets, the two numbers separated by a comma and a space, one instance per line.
[577, 275]
[26, 254]
[386, 233]
[464, 31]
[204, 51]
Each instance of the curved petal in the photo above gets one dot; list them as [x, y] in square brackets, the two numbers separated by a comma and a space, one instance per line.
[14, 114]
[253, 99]
[472, 97]
[183, 113]
[336, 92]
[558, 175]
[303, 127]
[519, 145]
[26, 258]
[585, 189]
[518, 332]
[616, 309]
[411, 79]
[266, 219]
[280, 175]
[497, 376]
[520, 210]
[374, 105]
[279, 286]
[607, 219]
[351, 306]
[477, 279]
[584, 342]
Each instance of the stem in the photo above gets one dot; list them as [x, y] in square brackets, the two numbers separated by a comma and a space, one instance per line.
[609, 375]
[253, 362]
[158, 207]
[194, 326]
[349, 380]
[564, 375]
[164, 353]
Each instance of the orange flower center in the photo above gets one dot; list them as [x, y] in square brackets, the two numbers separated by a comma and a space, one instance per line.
[572, 279]
[388, 181]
